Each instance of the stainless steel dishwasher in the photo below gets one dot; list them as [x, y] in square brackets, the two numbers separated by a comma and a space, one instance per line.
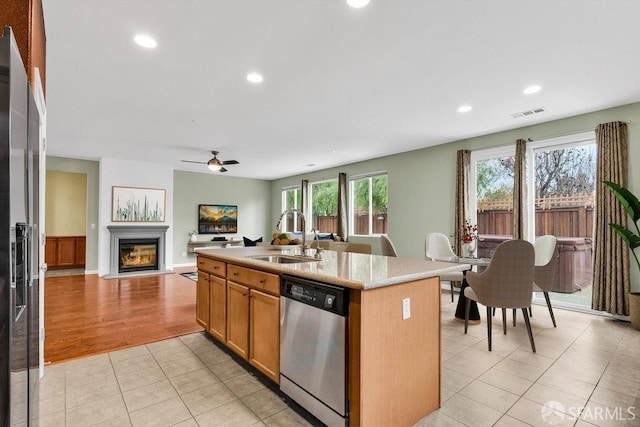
[313, 342]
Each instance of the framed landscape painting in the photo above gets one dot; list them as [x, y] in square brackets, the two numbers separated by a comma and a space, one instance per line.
[133, 204]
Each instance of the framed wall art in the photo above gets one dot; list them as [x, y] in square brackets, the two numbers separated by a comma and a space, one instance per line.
[133, 204]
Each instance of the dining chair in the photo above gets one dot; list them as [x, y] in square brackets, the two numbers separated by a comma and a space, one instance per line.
[546, 265]
[506, 283]
[388, 249]
[362, 248]
[438, 248]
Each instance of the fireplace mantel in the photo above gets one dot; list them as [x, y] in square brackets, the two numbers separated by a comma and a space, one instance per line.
[118, 232]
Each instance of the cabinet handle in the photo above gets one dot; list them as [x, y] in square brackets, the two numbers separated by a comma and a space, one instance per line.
[235, 274]
[244, 295]
[262, 281]
[201, 262]
[215, 267]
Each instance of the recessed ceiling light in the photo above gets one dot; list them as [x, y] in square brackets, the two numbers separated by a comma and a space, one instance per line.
[145, 40]
[531, 89]
[464, 109]
[255, 77]
[357, 4]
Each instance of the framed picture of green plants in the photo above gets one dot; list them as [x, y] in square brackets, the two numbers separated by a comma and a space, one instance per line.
[135, 204]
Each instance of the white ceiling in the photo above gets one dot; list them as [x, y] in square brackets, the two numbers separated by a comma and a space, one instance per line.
[340, 84]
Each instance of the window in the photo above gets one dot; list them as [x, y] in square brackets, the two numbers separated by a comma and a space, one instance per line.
[560, 191]
[324, 206]
[368, 195]
[291, 199]
[491, 206]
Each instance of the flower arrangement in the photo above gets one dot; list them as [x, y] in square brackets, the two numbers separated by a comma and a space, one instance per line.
[469, 232]
[192, 232]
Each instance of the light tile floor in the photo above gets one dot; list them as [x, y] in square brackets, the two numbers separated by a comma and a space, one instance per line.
[586, 372]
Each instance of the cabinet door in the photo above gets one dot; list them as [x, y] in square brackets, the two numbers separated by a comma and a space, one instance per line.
[238, 318]
[264, 342]
[81, 249]
[202, 300]
[218, 307]
[66, 255]
[50, 251]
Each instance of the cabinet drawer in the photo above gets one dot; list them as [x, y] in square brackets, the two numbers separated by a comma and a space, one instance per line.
[256, 279]
[212, 266]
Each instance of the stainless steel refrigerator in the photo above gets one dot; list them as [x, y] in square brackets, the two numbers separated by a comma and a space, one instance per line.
[19, 240]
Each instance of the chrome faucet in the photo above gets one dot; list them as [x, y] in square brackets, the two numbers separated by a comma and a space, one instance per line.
[317, 239]
[304, 226]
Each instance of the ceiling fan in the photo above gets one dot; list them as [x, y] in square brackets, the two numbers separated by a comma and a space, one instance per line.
[215, 164]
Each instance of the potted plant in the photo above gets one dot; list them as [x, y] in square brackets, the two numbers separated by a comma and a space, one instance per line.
[632, 205]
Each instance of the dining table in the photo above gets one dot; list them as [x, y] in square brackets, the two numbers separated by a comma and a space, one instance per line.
[474, 315]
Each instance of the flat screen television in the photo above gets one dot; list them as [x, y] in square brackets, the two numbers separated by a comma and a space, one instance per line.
[217, 219]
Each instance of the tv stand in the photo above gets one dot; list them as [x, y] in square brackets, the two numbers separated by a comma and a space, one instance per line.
[206, 244]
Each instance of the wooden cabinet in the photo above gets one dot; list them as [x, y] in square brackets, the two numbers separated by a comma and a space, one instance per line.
[264, 333]
[65, 252]
[26, 19]
[218, 307]
[202, 299]
[211, 297]
[253, 295]
[238, 318]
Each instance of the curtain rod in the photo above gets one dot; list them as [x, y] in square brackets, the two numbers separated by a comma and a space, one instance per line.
[571, 133]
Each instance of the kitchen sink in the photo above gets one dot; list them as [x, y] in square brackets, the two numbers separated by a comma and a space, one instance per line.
[285, 259]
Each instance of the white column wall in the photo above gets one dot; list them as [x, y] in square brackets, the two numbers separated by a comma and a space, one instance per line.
[131, 173]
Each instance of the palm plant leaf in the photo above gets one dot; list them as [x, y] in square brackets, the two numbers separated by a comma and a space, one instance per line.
[626, 198]
[629, 237]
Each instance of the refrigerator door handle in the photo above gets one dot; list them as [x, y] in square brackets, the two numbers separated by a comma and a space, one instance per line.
[20, 268]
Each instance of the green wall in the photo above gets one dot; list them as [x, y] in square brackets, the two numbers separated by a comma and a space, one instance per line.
[190, 189]
[91, 170]
[422, 182]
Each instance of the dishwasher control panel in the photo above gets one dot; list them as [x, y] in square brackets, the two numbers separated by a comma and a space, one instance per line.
[319, 295]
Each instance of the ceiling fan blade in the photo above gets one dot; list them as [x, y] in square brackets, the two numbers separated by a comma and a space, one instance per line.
[223, 170]
[191, 161]
[230, 162]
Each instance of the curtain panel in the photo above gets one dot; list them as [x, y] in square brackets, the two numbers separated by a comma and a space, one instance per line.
[519, 194]
[463, 169]
[611, 255]
[304, 188]
[343, 223]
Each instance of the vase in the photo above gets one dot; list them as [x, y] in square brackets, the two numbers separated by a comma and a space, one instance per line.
[469, 249]
[194, 237]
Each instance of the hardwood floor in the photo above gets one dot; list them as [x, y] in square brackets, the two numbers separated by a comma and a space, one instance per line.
[86, 315]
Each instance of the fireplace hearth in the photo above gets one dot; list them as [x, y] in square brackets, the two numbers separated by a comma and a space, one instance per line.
[136, 250]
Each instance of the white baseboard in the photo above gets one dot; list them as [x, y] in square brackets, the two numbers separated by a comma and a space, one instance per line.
[186, 264]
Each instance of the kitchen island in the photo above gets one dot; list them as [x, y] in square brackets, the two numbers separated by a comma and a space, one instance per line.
[393, 326]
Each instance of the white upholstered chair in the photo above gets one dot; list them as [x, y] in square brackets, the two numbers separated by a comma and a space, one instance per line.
[506, 283]
[438, 248]
[388, 249]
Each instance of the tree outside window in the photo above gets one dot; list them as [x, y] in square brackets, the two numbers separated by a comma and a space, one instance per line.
[369, 201]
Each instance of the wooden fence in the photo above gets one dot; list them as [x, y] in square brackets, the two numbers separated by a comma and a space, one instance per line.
[561, 222]
[329, 224]
[562, 216]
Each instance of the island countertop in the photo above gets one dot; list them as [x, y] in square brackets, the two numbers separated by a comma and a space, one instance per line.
[350, 270]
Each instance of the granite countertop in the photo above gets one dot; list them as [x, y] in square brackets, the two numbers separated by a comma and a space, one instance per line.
[351, 270]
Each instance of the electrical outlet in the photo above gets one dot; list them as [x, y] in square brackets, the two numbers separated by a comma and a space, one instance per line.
[406, 308]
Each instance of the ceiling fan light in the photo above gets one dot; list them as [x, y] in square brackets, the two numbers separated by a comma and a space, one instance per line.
[214, 166]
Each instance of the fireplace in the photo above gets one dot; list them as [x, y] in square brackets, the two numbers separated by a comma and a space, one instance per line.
[137, 249]
[138, 255]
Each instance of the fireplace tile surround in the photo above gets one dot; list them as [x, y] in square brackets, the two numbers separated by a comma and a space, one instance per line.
[118, 232]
